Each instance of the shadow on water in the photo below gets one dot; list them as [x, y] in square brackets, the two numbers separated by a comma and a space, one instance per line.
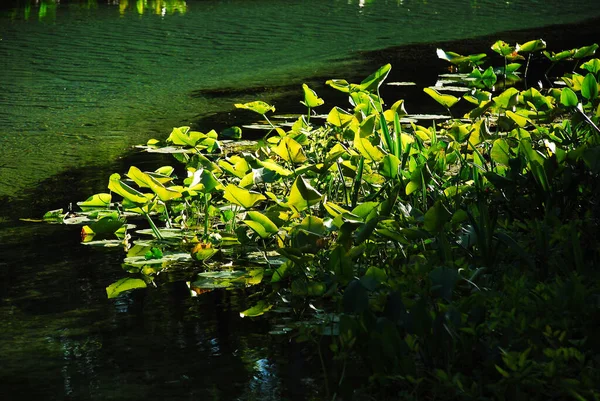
[61, 338]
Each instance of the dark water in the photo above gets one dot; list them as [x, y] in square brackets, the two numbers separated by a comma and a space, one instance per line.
[82, 82]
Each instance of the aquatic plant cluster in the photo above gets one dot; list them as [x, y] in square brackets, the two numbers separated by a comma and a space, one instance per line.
[450, 260]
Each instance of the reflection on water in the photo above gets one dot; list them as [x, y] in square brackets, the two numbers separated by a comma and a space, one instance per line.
[61, 338]
[45, 10]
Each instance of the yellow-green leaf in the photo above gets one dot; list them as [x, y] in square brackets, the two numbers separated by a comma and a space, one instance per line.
[242, 197]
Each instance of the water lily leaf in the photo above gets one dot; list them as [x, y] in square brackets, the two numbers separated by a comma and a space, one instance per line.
[261, 224]
[445, 100]
[592, 66]
[231, 133]
[257, 310]
[117, 186]
[589, 87]
[203, 251]
[290, 151]
[568, 98]
[503, 48]
[146, 181]
[258, 106]
[585, 51]
[242, 197]
[339, 118]
[303, 195]
[184, 137]
[519, 120]
[97, 201]
[457, 59]
[106, 225]
[532, 46]
[373, 153]
[125, 284]
[565, 54]
[500, 152]
[389, 166]
[436, 217]
[373, 81]
[310, 97]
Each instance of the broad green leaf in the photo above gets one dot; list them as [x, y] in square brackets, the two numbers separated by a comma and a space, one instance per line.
[340, 84]
[313, 224]
[589, 87]
[532, 46]
[242, 197]
[290, 151]
[585, 51]
[341, 264]
[592, 66]
[125, 284]
[106, 225]
[500, 152]
[457, 59]
[373, 81]
[182, 136]
[203, 251]
[388, 167]
[366, 149]
[436, 217]
[445, 100]
[503, 48]
[303, 195]
[373, 278]
[117, 186]
[231, 133]
[146, 181]
[507, 99]
[339, 118]
[310, 97]
[519, 120]
[568, 98]
[261, 224]
[258, 106]
[565, 54]
[97, 201]
[257, 310]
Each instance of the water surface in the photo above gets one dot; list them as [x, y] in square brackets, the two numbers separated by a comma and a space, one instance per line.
[83, 81]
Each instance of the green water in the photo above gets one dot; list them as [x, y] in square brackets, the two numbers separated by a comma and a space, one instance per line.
[83, 81]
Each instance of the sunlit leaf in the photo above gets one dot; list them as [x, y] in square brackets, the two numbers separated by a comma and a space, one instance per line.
[592, 66]
[532, 46]
[366, 149]
[242, 197]
[203, 251]
[568, 98]
[290, 150]
[310, 97]
[339, 118]
[258, 106]
[373, 81]
[125, 284]
[500, 152]
[117, 186]
[303, 195]
[445, 100]
[97, 201]
[589, 87]
[257, 310]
